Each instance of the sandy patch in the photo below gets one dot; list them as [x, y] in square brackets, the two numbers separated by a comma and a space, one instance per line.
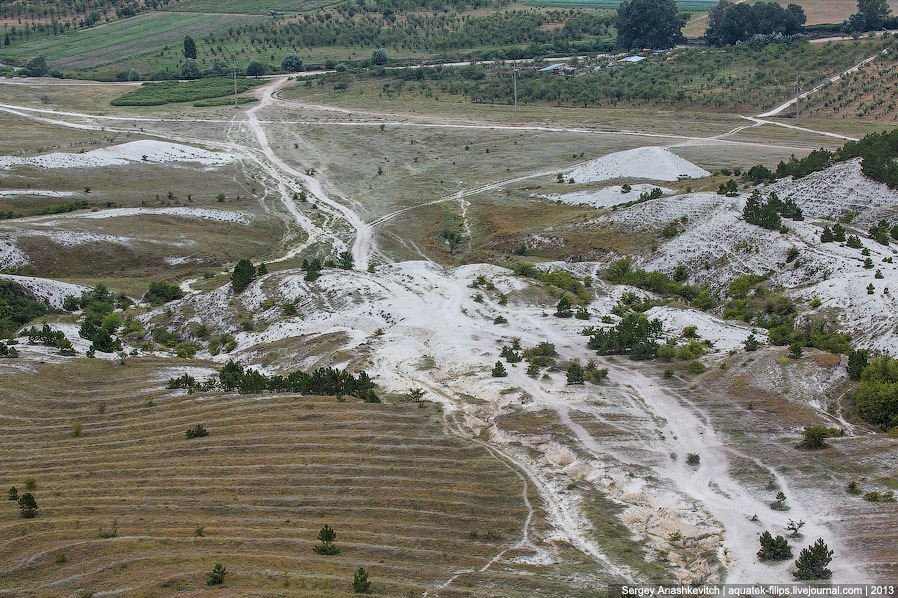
[149, 151]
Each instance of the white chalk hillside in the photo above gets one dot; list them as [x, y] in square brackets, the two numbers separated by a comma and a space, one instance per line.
[45, 289]
[651, 163]
[836, 191]
[143, 151]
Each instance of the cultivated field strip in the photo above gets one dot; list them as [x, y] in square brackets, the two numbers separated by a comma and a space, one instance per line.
[403, 496]
[111, 42]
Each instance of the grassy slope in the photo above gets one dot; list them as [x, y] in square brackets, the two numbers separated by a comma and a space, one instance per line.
[402, 495]
[119, 40]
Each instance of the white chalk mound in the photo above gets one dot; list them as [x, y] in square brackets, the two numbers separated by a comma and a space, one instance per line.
[651, 163]
[144, 151]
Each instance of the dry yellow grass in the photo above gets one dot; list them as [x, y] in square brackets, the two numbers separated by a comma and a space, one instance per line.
[403, 495]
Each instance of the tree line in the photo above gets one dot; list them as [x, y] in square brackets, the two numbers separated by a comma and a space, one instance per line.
[422, 32]
[877, 151]
[322, 381]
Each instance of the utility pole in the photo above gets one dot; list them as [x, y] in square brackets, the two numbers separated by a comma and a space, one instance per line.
[514, 71]
[236, 105]
[797, 97]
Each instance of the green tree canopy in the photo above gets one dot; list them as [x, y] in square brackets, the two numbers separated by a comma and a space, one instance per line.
[379, 56]
[17, 307]
[652, 24]
[812, 562]
[292, 63]
[729, 23]
[189, 47]
[255, 69]
[190, 69]
[28, 505]
[244, 272]
[876, 399]
[37, 66]
[871, 15]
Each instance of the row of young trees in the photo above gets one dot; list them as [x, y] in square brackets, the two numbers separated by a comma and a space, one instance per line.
[322, 381]
[418, 32]
[361, 583]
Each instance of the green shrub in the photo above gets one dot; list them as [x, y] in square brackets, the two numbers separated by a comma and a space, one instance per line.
[162, 292]
[814, 437]
[695, 367]
[217, 576]
[874, 496]
[198, 431]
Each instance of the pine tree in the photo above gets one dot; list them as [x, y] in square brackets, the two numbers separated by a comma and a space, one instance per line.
[774, 549]
[262, 269]
[839, 232]
[509, 355]
[326, 536]
[780, 503]
[13, 493]
[244, 272]
[345, 261]
[189, 47]
[563, 308]
[575, 373]
[28, 505]
[812, 562]
[360, 583]
[752, 343]
[827, 235]
[217, 576]
[499, 370]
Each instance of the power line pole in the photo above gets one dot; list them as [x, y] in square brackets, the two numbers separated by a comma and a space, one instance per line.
[514, 71]
[235, 82]
[797, 96]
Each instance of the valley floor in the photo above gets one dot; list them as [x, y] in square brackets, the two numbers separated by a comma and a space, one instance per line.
[516, 486]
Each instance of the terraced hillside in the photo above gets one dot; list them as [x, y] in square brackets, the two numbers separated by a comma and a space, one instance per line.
[130, 505]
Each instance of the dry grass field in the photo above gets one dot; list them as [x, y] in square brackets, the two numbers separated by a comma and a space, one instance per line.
[131, 507]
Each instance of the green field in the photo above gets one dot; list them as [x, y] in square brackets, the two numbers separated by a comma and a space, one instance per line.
[257, 8]
[171, 92]
[685, 5]
[88, 48]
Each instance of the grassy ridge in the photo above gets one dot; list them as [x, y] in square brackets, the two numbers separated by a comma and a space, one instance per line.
[170, 92]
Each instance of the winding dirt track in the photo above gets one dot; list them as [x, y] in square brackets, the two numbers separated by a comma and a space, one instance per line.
[726, 500]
